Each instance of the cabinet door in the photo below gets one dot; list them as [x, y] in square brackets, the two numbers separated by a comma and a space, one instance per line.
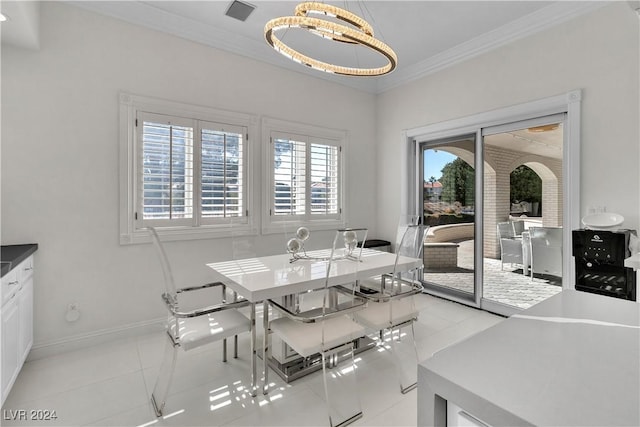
[26, 269]
[10, 357]
[10, 284]
[25, 307]
[457, 417]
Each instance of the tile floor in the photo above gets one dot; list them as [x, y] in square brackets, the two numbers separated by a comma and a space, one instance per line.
[110, 384]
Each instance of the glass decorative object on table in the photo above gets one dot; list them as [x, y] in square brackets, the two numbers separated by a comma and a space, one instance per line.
[295, 245]
[350, 243]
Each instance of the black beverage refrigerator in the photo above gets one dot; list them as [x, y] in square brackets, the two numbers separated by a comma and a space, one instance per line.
[599, 257]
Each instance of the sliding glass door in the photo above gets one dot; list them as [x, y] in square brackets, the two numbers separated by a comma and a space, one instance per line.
[494, 204]
[449, 208]
[522, 213]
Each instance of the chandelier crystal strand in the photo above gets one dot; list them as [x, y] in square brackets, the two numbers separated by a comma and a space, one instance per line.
[362, 34]
[303, 9]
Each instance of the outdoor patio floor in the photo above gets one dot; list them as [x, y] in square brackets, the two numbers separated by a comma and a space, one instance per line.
[508, 286]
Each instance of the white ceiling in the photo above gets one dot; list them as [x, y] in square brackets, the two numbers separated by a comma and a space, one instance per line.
[426, 35]
[546, 144]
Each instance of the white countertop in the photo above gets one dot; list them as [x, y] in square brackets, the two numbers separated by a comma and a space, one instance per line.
[572, 360]
[633, 261]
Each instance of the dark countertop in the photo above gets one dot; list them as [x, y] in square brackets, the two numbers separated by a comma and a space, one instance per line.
[12, 255]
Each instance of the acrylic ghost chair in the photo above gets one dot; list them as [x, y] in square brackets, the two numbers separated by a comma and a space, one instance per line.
[194, 327]
[317, 324]
[391, 306]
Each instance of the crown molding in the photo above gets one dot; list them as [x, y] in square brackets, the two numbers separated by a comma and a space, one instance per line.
[147, 15]
[530, 24]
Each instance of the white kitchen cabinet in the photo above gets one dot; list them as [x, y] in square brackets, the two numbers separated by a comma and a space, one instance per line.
[25, 309]
[16, 313]
[457, 417]
[10, 338]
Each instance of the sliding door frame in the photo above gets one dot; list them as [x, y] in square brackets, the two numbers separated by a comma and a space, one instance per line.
[435, 288]
[569, 103]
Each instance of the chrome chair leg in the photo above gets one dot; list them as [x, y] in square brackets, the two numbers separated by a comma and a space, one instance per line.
[266, 346]
[235, 346]
[165, 376]
[224, 350]
[253, 350]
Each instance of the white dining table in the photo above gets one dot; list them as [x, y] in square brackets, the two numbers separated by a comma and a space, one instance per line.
[271, 277]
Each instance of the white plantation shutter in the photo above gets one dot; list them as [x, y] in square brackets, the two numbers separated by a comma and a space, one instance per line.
[165, 168]
[289, 176]
[305, 181]
[324, 179]
[222, 158]
[190, 172]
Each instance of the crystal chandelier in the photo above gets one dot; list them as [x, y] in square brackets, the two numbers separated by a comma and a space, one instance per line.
[361, 33]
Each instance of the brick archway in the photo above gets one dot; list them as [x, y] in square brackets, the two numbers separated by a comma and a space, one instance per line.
[550, 172]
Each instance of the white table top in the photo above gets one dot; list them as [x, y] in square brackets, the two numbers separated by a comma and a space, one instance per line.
[572, 360]
[257, 279]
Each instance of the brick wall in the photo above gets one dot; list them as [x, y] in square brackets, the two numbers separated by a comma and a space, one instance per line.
[499, 163]
[440, 255]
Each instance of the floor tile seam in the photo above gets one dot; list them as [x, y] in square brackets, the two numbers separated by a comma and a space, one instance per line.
[44, 363]
[438, 318]
[72, 389]
[257, 407]
[173, 391]
[448, 331]
[147, 405]
[381, 410]
[431, 313]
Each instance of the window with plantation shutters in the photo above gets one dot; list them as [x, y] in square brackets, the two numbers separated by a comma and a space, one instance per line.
[191, 171]
[166, 167]
[306, 181]
[324, 179]
[222, 160]
[289, 177]
[185, 170]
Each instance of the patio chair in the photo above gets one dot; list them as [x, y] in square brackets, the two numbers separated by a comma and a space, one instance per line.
[510, 246]
[190, 328]
[546, 251]
[518, 227]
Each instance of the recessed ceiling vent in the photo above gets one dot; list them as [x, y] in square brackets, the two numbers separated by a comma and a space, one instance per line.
[240, 10]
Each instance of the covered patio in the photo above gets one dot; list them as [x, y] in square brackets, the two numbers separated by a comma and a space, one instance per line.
[508, 286]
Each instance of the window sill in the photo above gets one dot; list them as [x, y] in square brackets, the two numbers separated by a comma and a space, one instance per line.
[170, 234]
[279, 227]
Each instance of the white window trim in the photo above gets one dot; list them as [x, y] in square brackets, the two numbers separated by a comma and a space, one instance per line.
[272, 125]
[129, 105]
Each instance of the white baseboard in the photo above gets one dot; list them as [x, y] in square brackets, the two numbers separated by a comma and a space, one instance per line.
[76, 342]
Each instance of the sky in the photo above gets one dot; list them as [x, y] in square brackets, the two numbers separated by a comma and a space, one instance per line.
[434, 161]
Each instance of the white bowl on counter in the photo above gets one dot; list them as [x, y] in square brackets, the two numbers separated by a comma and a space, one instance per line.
[603, 221]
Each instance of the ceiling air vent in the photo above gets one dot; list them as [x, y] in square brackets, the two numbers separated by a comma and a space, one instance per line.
[239, 10]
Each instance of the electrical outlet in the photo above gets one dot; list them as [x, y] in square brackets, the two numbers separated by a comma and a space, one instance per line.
[73, 314]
